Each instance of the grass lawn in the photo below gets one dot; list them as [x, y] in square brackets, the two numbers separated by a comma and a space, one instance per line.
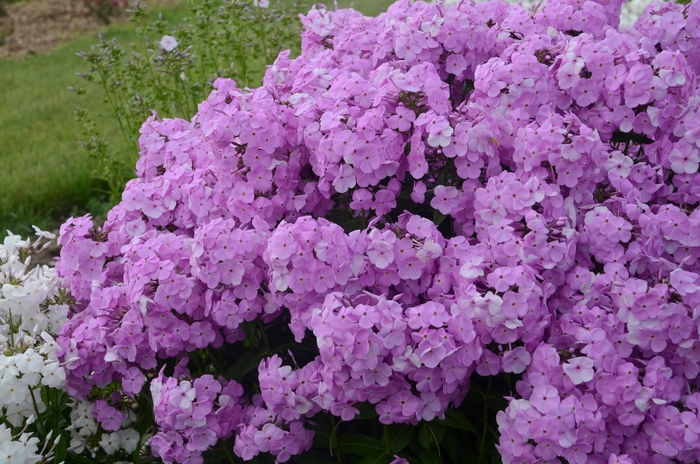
[368, 7]
[43, 169]
[46, 176]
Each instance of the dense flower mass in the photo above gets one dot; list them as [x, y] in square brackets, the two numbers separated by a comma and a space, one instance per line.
[435, 193]
[29, 309]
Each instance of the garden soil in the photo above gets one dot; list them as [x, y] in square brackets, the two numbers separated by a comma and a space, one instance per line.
[39, 26]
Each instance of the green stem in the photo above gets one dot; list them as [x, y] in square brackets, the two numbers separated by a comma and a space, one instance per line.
[217, 365]
[486, 422]
[53, 403]
[12, 331]
[178, 94]
[263, 34]
[230, 456]
[437, 443]
[41, 427]
[262, 329]
[330, 440]
[124, 126]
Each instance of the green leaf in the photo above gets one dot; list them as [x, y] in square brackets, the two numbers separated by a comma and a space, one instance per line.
[251, 360]
[475, 390]
[455, 446]
[427, 458]
[367, 411]
[323, 431]
[359, 444]
[377, 457]
[438, 217]
[473, 459]
[76, 458]
[315, 457]
[431, 434]
[399, 436]
[146, 459]
[455, 419]
[61, 450]
[215, 456]
[247, 362]
[495, 403]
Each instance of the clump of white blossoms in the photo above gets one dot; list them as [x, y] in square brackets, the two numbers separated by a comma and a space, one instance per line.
[23, 448]
[32, 307]
[83, 426]
[631, 9]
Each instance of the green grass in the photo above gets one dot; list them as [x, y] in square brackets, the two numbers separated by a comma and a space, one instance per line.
[368, 7]
[43, 170]
[45, 175]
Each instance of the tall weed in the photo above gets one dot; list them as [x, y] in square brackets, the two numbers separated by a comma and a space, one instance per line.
[170, 70]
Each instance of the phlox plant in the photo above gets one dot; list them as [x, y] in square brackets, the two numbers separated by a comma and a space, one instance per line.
[434, 230]
[229, 38]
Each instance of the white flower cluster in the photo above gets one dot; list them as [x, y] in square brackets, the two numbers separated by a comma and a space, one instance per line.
[631, 9]
[83, 425]
[27, 357]
[24, 290]
[28, 361]
[24, 448]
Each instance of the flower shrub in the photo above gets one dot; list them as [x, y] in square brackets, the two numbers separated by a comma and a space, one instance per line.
[420, 204]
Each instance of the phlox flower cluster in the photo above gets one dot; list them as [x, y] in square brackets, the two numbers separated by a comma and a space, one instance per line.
[29, 310]
[23, 448]
[615, 379]
[386, 333]
[28, 302]
[98, 423]
[193, 416]
[431, 194]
